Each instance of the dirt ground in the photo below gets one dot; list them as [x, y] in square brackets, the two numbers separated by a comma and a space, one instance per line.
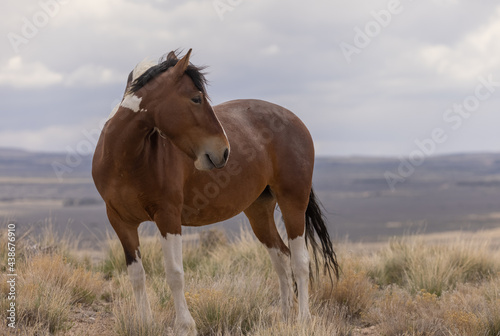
[89, 322]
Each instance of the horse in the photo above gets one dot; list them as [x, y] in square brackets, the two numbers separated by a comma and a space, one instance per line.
[166, 155]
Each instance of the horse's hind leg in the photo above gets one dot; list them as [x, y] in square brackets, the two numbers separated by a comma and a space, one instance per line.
[293, 204]
[129, 238]
[261, 217]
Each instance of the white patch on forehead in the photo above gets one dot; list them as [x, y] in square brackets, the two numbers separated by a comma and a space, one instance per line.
[141, 68]
[132, 102]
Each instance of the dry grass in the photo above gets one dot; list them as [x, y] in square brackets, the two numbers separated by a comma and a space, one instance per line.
[407, 287]
[48, 285]
[411, 263]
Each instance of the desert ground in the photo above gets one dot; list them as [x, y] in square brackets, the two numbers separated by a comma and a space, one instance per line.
[445, 193]
[438, 284]
[422, 259]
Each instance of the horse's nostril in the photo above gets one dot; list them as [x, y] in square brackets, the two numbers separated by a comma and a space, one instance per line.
[226, 154]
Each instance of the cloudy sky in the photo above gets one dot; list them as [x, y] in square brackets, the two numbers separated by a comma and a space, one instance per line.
[381, 78]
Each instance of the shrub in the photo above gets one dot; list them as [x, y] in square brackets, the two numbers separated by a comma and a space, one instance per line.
[413, 264]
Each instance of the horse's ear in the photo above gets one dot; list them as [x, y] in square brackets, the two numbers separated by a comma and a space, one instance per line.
[172, 55]
[182, 65]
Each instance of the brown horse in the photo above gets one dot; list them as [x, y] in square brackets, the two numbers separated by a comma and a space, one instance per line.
[163, 156]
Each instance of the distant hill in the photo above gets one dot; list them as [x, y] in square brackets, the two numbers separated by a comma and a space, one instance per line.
[451, 192]
[16, 162]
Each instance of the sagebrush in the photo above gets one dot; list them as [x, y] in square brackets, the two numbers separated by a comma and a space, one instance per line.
[407, 286]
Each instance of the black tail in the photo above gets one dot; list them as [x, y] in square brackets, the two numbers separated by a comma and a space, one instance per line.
[315, 225]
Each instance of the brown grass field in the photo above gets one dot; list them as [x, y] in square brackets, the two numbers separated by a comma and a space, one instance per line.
[445, 284]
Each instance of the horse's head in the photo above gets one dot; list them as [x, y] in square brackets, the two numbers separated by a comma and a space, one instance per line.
[180, 110]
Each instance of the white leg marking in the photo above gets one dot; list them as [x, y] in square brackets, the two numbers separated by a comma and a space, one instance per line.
[172, 252]
[137, 278]
[300, 268]
[281, 264]
[132, 102]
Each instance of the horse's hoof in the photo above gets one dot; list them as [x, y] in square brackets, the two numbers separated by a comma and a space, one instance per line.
[305, 317]
[185, 329]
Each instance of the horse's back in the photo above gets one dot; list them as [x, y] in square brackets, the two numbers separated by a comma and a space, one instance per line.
[265, 123]
[269, 141]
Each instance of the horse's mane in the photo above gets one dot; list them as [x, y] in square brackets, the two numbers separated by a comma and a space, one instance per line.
[166, 62]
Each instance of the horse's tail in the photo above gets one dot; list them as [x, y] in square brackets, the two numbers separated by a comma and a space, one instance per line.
[315, 226]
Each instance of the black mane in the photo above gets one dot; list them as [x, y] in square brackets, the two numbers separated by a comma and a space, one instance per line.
[166, 62]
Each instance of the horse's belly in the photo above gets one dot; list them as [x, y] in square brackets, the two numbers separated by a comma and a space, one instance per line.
[212, 203]
[207, 214]
[218, 195]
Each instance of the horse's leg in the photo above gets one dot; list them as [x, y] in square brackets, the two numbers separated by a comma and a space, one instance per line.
[293, 207]
[261, 217]
[171, 243]
[127, 233]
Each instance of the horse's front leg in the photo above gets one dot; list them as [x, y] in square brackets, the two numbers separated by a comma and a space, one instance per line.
[129, 238]
[171, 242]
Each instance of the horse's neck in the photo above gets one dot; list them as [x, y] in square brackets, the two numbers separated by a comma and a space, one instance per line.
[126, 134]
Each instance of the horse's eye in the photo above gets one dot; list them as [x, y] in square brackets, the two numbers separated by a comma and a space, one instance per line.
[196, 100]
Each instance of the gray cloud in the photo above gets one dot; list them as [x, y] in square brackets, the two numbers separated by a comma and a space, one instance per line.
[429, 56]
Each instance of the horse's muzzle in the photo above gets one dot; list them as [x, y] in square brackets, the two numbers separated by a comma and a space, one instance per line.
[209, 158]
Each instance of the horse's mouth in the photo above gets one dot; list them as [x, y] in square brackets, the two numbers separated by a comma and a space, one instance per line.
[222, 162]
[209, 159]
